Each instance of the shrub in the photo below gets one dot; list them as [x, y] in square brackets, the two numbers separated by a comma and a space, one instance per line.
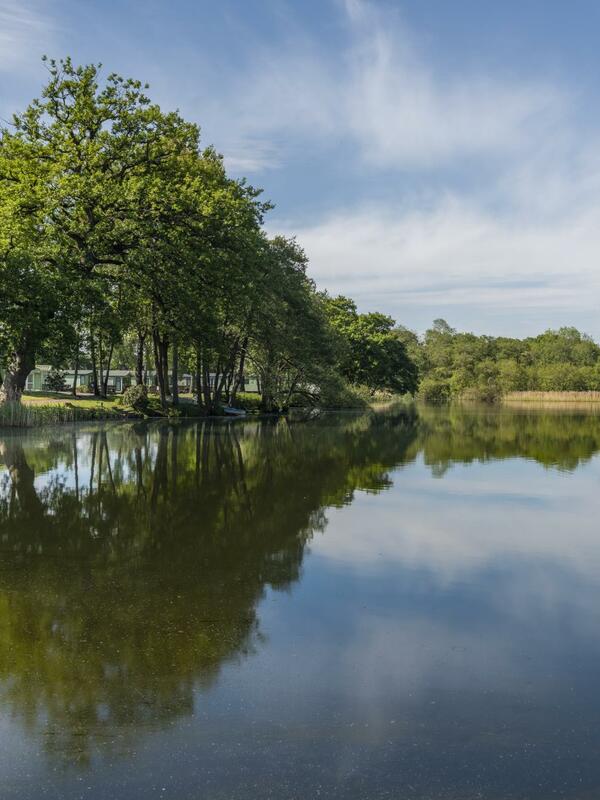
[56, 381]
[248, 401]
[484, 393]
[332, 391]
[434, 390]
[136, 396]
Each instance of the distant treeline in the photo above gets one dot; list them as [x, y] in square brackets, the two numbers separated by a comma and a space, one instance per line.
[453, 364]
[120, 237]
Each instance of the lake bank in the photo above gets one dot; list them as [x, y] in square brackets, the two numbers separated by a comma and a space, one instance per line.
[56, 408]
[556, 398]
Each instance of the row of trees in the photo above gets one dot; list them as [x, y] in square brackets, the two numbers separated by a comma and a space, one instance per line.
[453, 364]
[120, 234]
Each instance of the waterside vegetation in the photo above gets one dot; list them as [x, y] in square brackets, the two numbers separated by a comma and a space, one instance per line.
[123, 242]
[559, 364]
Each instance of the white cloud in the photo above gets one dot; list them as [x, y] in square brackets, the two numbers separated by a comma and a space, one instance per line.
[404, 114]
[510, 220]
[378, 94]
[514, 219]
[457, 253]
[249, 155]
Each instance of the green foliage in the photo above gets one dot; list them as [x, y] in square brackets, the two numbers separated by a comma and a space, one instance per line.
[370, 351]
[483, 393]
[55, 381]
[136, 397]
[335, 392]
[249, 402]
[484, 368]
[130, 243]
[435, 390]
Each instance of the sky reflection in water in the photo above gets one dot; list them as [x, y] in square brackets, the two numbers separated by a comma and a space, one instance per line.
[401, 604]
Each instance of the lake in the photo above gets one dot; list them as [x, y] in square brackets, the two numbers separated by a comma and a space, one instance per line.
[397, 604]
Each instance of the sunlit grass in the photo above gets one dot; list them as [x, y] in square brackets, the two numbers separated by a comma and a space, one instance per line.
[553, 397]
[62, 398]
[53, 408]
[19, 415]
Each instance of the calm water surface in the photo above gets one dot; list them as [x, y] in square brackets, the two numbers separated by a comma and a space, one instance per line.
[403, 604]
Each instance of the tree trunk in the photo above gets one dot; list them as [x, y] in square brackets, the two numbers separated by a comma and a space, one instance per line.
[267, 385]
[175, 370]
[198, 377]
[20, 364]
[100, 368]
[139, 364]
[106, 374]
[164, 360]
[94, 366]
[228, 375]
[206, 386]
[160, 375]
[240, 373]
[76, 371]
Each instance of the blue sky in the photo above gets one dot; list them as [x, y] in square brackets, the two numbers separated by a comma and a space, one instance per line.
[434, 158]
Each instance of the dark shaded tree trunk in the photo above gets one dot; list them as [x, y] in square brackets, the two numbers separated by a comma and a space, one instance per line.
[139, 364]
[227, 377]
[160, 373]
[174, 373]
[76, 370]
[239, 378]
[198, 377]
[94, 366]
[164, 360]
[20, 363]
[206, 386]
[268, 387]
[100, 367]
[106, 374]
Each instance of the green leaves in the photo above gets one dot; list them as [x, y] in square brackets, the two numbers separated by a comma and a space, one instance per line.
[370, 353]
[115, 222]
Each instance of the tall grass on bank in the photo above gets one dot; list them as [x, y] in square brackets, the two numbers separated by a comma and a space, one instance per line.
[552, 397]
[17, 415]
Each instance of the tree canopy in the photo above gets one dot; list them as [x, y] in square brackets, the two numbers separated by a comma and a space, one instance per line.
[453, 364]
[124, 241]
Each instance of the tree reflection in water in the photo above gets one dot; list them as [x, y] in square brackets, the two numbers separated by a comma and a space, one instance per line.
[133, 564]
[134, 556]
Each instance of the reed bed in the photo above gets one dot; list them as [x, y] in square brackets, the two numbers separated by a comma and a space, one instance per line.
[552, 397]
[17, 415]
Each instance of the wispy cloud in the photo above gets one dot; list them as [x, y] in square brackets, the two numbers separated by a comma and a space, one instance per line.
[457, 254]
[459, 187]
[511, 218]
[379, 95]
[404, 113]
[26, 32]
[250, 155]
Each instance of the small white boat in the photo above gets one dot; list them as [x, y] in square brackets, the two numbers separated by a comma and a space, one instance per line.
[234, 412]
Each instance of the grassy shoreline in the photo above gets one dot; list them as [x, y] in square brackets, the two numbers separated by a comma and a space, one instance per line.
[57, 408]
[24, 415]
[551, 397]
